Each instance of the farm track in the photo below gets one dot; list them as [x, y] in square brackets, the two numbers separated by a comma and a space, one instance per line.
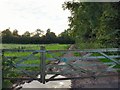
[98, 82]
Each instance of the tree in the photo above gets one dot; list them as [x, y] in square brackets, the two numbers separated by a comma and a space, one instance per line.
[109, 30]
[27, 38]
[50, 37]
[7, 36]
[26, 34]
[65, 37]
[93, 23]
[6, 32]
[15, 33]
[38, 33]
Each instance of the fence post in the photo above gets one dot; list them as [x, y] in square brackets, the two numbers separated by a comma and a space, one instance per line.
[2, 62]
[42, 64]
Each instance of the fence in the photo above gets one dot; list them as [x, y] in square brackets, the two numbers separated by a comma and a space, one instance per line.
[50, 62]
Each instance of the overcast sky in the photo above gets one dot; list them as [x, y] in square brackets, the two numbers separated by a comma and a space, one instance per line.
[28, 15]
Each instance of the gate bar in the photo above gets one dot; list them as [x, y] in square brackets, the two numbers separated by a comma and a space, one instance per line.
[84, 77]
[109, 58]
[67, 78]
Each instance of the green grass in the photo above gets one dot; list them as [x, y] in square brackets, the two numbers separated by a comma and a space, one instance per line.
[34, 46]
[35, 59]
[105, 60]
[77, 54]
[11, 71]
[102, 59]
[20, 46]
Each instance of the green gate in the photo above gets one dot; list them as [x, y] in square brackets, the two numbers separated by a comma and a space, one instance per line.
[28, 64]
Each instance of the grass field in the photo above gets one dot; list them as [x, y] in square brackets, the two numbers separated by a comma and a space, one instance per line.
[10, 71]
[31, 60]
[35, 59]
[34, 46]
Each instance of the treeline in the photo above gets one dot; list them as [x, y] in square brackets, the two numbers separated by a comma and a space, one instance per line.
[36, 37]
[94, 24]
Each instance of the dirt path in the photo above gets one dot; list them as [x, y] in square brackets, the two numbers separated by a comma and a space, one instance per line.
[99, 82]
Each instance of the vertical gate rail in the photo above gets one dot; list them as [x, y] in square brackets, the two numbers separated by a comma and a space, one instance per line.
[42, 64]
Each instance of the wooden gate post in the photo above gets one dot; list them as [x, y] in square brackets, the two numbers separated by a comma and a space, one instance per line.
[2, 62]
[42, 64]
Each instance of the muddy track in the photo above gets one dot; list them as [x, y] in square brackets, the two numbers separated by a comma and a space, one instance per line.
[96, 82]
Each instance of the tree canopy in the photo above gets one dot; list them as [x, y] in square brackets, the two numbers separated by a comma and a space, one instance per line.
[94, 24]
[37, 37]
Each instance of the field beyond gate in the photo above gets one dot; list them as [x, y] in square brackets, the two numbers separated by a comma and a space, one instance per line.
[57, 63]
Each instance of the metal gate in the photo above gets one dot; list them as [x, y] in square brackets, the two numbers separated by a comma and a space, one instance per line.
[28, 64]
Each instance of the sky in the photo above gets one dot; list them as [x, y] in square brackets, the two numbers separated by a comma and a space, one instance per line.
[29, 15]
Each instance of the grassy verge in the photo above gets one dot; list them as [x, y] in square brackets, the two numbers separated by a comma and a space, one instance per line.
[105, 60]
